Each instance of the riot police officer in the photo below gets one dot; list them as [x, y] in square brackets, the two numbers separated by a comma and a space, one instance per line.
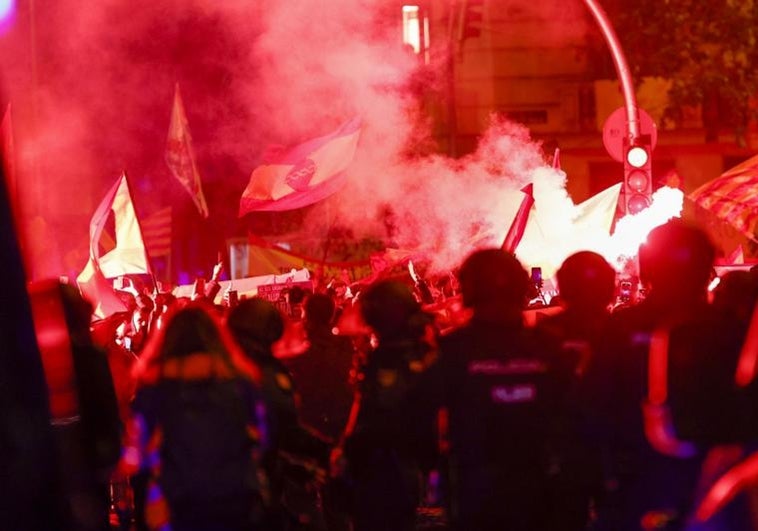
[501, 386]
[587, 283]
[649, 415]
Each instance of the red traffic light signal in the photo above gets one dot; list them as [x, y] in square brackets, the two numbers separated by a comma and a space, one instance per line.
[638, 178]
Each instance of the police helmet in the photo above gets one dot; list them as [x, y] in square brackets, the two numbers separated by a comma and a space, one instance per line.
[586, 279]
[676, 256]
[493, 275]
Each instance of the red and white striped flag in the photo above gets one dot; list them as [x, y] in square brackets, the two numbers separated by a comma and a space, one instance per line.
[180, 157]
[156, 230]
[732, 197]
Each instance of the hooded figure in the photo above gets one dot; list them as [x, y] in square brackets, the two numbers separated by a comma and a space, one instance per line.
[502, 386]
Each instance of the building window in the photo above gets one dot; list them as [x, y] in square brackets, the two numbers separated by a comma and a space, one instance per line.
[528, 117]
[412, 28]
[416, 31]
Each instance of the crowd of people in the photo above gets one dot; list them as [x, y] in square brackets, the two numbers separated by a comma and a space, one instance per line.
[639, 415]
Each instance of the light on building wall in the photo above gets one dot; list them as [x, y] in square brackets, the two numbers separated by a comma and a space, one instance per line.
[412, 28]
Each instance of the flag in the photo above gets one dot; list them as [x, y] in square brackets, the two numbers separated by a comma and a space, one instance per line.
[128, 257]
[180, 157]
[516, 231]
[99, 291]
[595, 215]
[551, 235]
[306, 174]
[156, 229]
[732, 197]
[737, 256]
[557, 159]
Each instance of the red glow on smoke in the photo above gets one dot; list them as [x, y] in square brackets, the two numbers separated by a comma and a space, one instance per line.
[95, 100]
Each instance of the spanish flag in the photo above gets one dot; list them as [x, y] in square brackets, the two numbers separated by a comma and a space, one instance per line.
[306, 174]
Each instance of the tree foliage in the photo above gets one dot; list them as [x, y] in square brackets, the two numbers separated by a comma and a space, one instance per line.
[707, 48]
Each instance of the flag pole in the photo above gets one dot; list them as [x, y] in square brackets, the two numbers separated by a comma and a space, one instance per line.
[142, 235]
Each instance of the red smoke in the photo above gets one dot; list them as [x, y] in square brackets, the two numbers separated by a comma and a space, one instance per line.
[92, 97]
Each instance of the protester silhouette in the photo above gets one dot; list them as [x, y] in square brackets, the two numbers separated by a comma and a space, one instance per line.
[198, 423]
[586, 284]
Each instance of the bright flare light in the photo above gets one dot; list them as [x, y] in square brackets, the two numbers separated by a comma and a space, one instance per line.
[632, 230]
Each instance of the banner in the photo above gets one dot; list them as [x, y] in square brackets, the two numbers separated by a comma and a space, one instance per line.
[263, 258]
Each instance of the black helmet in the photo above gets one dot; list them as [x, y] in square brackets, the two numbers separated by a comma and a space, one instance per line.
[586, 279]
[490, 275]
[390, 308]
[677, 257]
[256, 320]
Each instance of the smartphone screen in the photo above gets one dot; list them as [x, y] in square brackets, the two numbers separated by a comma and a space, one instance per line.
[537, 276]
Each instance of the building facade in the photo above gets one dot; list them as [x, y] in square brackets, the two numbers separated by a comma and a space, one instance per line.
[544, 64]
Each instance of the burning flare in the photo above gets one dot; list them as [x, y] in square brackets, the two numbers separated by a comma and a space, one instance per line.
[632, 230]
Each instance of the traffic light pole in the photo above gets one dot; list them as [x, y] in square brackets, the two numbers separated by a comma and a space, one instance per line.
[622, 69]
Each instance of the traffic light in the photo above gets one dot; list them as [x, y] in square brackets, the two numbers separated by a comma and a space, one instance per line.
[638, 175]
